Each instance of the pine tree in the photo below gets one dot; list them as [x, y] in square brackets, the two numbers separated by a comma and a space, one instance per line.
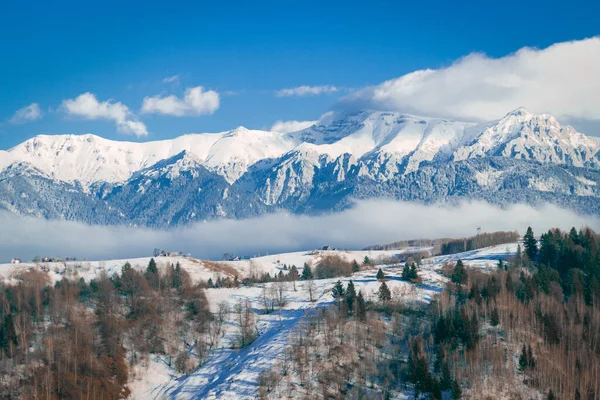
[577, 394]
[151, 274]
[210, 283]
[306, 272]
[530, 244]
[456, 393]
[355, 267]
[9, 335]
[446, 381]
[459, 275]
[380, 275]
[495, 317]
[523, 359]
[551, 395]
[574, 236]
[350, 295]
[500, 264]
[360, 307]
[152, 267]
[384, 293]
[338, 292]
[176, 278]
[406, 272]
[367, 261]
[413, 272]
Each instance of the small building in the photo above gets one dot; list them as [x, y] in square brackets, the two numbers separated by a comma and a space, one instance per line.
[15, 261]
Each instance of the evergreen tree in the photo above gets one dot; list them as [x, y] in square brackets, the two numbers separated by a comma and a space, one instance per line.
[367, 261]
[306, 272]
[459, 275]
[350, 295]
[574, 236]
[152, 267]
[355, 267]
[551, 395]
[384, 293]
[151, 274]
[413, 272]
[406, 272]
[360, 307]
[380, 275]
[176, 278]
[500, 264]
[210, 283]
[456, 393]
[338, 292]
[446, 381]
[8, 335]
[523, 359]
[577, 394]
[530, 244]
[495, 317]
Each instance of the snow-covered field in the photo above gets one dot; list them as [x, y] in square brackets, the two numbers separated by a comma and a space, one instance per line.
[198, 269]
[228, 373]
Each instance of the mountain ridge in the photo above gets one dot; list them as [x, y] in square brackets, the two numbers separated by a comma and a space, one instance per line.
[243, 173]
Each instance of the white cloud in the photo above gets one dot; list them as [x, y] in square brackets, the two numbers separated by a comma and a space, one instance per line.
[171, 79]
[562, 80]
[369, 222]
[30, 113]
[291, 126]
[87, 106]
[294, 126]
[306, 91]
[196, 101]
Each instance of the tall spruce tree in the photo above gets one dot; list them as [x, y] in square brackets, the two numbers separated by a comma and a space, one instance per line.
[338, 292]
[9, 335]
[380, 275]
[530, 244]
[360, 307]
[350, 296]
[459, 275]
[384, 293]
[355, 266]
[306, 272]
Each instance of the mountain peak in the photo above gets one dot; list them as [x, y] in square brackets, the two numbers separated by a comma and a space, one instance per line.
[519, 113]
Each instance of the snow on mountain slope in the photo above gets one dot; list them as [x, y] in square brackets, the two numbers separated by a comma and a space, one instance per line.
[526, 136]
[386, 139]
[88, 158]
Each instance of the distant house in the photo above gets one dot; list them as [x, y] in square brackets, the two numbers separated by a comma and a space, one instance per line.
[15, 261]
[326, 248]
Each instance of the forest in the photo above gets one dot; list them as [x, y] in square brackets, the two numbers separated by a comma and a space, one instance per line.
[530, 328]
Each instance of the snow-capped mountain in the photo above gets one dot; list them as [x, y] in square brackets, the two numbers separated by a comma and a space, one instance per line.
[241, 173]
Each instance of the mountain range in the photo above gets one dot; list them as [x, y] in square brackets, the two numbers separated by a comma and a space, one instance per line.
[521, 158]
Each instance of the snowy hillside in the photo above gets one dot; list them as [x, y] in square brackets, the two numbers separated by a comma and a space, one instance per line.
[243, 173]
[233, 374]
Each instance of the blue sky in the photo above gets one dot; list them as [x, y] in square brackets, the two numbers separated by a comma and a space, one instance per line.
[246, 52]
